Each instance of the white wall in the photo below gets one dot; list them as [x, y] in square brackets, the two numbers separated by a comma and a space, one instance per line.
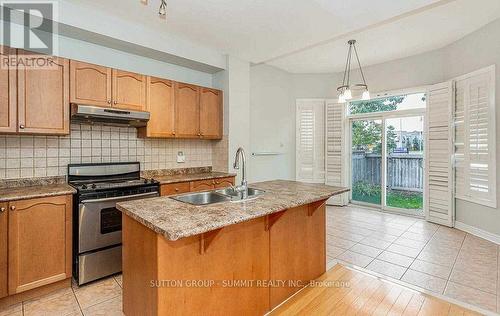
[235, 81]
[475, 51]
[272, 127]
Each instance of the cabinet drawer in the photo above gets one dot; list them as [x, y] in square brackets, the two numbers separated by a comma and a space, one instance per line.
[202, 185]
[175, 188]
[224, 182]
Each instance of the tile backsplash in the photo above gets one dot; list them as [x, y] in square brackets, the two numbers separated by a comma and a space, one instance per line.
[41, 156]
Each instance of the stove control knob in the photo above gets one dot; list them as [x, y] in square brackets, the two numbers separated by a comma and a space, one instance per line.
[93, 186]
[84, 186]
[145, 180]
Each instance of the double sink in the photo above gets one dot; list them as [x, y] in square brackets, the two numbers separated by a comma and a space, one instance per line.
[217, 196]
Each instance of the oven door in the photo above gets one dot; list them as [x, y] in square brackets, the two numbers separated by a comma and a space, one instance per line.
[100, 222]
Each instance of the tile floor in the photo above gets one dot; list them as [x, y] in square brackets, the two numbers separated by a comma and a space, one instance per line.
[437, 258]
[98, 298]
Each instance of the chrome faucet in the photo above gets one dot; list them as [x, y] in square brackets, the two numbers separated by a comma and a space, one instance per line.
[243, 187]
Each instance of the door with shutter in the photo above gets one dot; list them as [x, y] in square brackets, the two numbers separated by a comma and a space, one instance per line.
[440, 204]
[335, 149]
[310, 141]
[475, 174]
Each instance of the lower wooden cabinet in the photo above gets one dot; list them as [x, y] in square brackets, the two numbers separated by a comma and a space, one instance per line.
[297, 247]
[196, 186]
[4, 290]
[175, 188]
[39, 242]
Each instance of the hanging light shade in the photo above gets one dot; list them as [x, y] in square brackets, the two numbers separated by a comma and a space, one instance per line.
[162, 11]
[345, 90]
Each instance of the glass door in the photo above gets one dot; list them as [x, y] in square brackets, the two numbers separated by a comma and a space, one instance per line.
[404, 166]
[366, 161]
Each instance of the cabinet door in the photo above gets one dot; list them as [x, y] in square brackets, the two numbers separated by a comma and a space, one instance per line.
[202, 185]
[4, 290]
[8, 90]
[90, 84]
[129, 90]
[175, 188]
[297, 248]
[224, 182]
[39, 242]
[211, 113]
[187, 108]
[161, 107]
[43, 98]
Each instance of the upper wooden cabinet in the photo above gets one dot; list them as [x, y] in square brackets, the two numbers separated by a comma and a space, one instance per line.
[90, 84]
[187, 106]
[8, 91]
[43, 98]
[4, 290]
[161, 106]
[210, 113]
[39, 242]
[103, 86]
[129, 90]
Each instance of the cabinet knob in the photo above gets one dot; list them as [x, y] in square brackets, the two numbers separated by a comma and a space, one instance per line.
[2, 209]
[12, 207]
[173, 133]
[176, 190]
[109, 101]
[115, 102]
[199, 134]
[21, 126]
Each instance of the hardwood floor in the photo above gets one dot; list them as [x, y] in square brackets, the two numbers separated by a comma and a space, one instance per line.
[344, 291]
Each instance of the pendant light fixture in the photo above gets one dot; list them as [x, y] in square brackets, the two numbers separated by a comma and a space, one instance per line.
[345, 90]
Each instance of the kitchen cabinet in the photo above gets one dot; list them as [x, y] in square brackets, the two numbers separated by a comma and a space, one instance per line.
[129, 90]
[103, 86]
[297, 233]
[223, 182]
[175, 188]
[161, 106]
[187, 117]
[43, 98]
[4, 290]
[8, 91]
[210, 113]
[196, 186]
[39, 242]
[90, 84]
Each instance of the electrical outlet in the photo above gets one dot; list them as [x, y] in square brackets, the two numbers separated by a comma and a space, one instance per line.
[181, 158]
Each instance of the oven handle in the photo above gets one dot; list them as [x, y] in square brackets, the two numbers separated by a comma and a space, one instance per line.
[118, 198]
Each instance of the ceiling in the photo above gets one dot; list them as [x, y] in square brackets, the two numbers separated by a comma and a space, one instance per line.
[310, 36]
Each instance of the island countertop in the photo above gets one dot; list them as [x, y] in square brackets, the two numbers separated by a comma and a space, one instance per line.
[175, 220]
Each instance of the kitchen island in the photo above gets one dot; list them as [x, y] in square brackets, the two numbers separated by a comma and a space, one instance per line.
[224, 258]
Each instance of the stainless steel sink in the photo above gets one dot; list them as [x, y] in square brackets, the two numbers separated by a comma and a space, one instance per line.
[217, 196]
[201, 198]
[236, 196]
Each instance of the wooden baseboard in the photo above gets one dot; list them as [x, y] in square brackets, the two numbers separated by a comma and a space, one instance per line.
[34, 293]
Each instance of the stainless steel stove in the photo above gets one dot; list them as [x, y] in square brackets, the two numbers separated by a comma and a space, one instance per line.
[97, 224]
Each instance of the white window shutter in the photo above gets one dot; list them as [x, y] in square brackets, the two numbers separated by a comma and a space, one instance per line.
[475, 148]
[335, 154]
[439, 204]
[310, 157]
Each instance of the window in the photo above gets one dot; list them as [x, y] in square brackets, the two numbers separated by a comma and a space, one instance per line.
[390, 103]
[474, 118]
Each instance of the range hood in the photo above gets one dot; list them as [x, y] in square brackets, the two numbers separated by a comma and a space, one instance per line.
[108, 116]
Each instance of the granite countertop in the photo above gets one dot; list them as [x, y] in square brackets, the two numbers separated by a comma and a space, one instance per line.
[175, 220]
[192, 177]
[35, 191]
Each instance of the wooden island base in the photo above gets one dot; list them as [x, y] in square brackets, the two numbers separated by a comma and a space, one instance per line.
[238, 269]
